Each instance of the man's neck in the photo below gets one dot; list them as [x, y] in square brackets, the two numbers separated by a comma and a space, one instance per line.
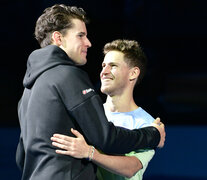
[120, 104]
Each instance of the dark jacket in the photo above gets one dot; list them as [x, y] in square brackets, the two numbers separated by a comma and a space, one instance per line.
[59, 96]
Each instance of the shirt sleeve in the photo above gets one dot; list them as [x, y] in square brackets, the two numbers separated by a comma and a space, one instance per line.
[144, 155]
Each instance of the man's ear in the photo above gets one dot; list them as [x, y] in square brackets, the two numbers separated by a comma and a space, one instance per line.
[57, 38]
[134, 73]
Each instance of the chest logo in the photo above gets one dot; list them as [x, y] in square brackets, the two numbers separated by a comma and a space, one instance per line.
[86, 91]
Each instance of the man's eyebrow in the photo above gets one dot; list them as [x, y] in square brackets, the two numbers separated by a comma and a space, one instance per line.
[82, 33]
[111, 63]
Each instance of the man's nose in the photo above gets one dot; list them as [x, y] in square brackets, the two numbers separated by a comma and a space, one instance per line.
[88, 43]
[105, 70]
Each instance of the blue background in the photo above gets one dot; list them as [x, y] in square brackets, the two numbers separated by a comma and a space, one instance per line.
[182, 158]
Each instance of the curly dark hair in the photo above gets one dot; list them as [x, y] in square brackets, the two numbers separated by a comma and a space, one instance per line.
[56, 18]
[133, 54]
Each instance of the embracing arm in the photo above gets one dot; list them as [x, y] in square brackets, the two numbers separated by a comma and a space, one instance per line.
[125, 166]
[110, 139]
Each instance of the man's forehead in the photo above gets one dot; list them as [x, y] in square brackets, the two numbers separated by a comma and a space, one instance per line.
[79, 25]
[113, 56]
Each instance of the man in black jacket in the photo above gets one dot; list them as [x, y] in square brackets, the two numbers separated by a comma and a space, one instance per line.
[59, 96]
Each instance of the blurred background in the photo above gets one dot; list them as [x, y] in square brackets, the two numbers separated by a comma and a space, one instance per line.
[173, 35]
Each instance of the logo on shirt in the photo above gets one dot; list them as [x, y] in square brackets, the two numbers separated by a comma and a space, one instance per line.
[84, 92]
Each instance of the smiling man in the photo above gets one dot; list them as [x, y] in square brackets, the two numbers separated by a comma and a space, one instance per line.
[59, 96]
[124, 65]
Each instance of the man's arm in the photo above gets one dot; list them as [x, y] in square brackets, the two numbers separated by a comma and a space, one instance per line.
[144, 156]
[132, 164]
[125, 166]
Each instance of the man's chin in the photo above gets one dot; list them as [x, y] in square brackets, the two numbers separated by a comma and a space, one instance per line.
[82, 63]
[102, 90]
[105, 90]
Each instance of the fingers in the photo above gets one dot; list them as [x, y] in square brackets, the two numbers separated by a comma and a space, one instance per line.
[61, 145]
[157, 121]
[65, 148]
[68, 138]
[72, 146]
[63, 137]
[61, 140]
[63, 152]
[66, 142]
[161, 128]
[76, 133]
[163, 135]
[69, 153]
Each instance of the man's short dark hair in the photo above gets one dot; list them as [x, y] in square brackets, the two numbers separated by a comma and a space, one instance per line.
[56, 18]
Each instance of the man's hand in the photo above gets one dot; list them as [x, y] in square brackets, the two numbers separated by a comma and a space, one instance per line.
[72, 146]
[161, 128]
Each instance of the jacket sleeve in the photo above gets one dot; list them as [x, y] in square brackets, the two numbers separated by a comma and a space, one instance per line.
[86, 107]
[104, 135]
